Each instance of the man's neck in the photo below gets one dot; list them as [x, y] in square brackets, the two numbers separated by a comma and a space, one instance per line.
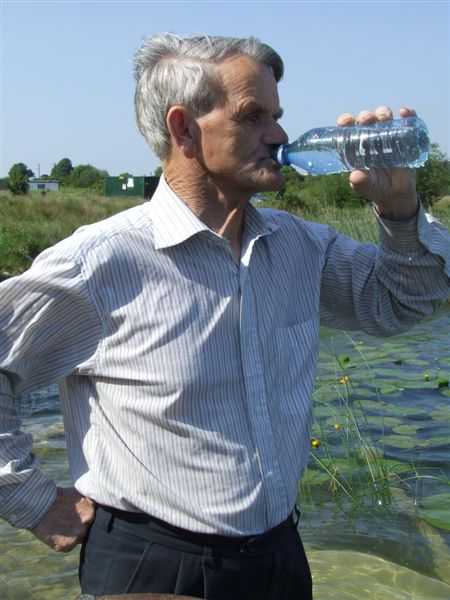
[223, 212]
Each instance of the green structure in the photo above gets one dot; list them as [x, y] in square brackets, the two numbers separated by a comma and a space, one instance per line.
[127, 185]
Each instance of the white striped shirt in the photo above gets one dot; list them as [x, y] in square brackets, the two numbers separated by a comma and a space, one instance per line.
[186, 376]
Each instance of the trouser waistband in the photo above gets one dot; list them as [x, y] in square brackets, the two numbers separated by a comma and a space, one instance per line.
[258, 542]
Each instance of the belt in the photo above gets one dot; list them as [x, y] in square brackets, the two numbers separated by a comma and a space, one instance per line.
[244, 544]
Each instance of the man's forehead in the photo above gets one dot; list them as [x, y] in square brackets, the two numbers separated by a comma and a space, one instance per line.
[244, 79]
[244, 70]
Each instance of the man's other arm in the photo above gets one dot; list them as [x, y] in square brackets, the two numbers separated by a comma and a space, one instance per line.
[48, 328]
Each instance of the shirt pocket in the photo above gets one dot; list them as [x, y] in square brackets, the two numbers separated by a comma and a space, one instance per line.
[295, 362]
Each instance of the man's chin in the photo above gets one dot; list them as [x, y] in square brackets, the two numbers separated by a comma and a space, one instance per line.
[272, 181]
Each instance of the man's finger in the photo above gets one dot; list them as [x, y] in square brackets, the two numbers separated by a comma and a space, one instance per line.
[87, 517]
[345, 119]
[407, 112]
[359, 180]
[365, 117]
[65, 544]
[384, 113]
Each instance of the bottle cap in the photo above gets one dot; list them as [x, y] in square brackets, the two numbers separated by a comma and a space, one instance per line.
[278, 154]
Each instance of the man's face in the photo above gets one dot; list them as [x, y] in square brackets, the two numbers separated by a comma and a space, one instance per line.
[236, 137]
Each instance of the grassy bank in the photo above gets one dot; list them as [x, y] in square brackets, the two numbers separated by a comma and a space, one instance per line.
[359, 222]
[29, 224]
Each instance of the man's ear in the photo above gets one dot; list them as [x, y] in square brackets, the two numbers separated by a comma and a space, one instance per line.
[181, 126]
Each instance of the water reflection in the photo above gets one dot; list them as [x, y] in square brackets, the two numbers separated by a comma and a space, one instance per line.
[352, 575]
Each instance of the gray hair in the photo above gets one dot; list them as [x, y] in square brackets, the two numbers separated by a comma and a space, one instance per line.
[172, 70]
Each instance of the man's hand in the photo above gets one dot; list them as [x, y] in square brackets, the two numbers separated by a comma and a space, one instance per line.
[66, 523]
[392, 190]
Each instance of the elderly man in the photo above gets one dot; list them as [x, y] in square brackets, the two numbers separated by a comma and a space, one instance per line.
[184, 334]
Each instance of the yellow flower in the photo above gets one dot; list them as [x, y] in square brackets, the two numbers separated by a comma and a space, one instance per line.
[344, 379]
[337, 426]
[315, 442]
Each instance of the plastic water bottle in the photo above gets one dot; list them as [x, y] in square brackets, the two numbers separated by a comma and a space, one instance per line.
[386, 144]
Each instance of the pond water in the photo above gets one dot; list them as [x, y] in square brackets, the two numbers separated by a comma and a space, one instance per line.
[375, 500]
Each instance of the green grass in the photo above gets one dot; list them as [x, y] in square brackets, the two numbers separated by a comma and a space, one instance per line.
[359, 222]
[31, 223]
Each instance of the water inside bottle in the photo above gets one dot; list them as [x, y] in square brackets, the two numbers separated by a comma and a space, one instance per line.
[317, 162]
[383, 148]
[326, 150]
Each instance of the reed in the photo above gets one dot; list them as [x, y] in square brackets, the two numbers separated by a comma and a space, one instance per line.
[346, 467]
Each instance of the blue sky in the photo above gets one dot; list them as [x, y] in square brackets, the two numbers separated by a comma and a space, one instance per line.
[66, 81]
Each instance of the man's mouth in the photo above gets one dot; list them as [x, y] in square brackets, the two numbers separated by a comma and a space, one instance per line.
[270, 162]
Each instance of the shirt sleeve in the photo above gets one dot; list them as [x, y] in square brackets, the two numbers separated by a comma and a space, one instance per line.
[48, 329]
[385, 289]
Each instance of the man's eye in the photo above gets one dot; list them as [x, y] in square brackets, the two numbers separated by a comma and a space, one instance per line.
[254, 117]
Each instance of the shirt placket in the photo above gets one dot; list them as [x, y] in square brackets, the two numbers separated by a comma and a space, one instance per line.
[258, 411]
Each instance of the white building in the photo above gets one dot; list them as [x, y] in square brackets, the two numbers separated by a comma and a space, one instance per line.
[43, 185]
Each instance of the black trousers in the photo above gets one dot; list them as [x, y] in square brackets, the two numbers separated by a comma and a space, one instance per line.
[132, 553]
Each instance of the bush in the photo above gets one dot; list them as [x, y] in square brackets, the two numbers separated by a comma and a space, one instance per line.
[86, 176]
[433, 179]
[18, 179]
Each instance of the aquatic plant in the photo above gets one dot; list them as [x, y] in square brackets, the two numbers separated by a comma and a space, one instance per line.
[356, 431]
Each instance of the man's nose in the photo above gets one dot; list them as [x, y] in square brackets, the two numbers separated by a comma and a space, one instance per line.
[276, 135]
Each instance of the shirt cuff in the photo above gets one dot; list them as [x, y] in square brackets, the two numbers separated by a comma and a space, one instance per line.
[400, 235]
[416, 236]
[435, 237]
[27, 503]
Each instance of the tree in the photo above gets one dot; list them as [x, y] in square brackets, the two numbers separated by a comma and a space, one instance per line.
[300, 192]
[86, 176]
[19, 174]
[62, 170]
[433, 179]
[158, 171]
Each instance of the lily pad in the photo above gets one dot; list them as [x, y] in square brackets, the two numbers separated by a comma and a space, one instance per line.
[343, 360]
[364, 392]
[375, 405]
[403, 442]
[417, 384]
[392, 372]
[435, 442]
[435, 510]
[406, 429]
[383, 422]
[323, 410]
[390, 389]
[405, 411]
[443, 412]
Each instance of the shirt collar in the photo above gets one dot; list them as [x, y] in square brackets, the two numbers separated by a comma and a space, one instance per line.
[257, 223]
[174, 222]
